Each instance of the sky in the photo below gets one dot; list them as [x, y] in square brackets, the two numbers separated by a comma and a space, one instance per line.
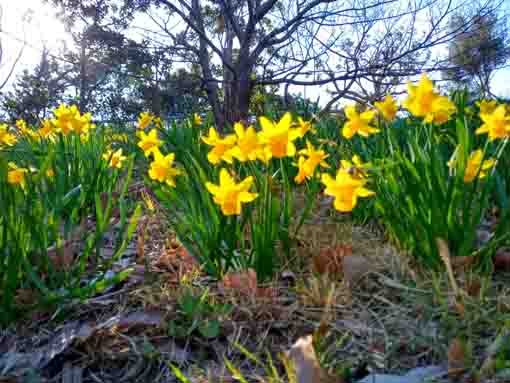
[42, 28]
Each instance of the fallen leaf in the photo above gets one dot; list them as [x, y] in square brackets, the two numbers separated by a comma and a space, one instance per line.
[63, 257]
[26, 297]
[329, 260]
[462, 262]
[473, 287]
[456, 358]
[141, 318]
[306, 365]
[178, 261]
[502, 259]
[243, 281]
[16, 364]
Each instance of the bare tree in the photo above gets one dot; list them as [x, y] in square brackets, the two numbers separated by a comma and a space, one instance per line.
[362, 48]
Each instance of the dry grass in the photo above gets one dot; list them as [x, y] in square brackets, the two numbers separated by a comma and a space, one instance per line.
[394, 318]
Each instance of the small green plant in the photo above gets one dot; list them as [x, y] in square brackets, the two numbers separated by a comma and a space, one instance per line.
[198, 313]
[59, 190]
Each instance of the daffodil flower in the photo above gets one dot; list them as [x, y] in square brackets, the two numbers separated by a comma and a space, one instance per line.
[358, 123]
[197, 120]
[16, 175]
[496, 124]
[424, 101]
[149, 142]
[346, 189]
[475, 167]
[388, 108]
[115, 158]
[162, 169]
[229, 195]
[304, 127]
[316, 157]
[278, 137]
[6, 138]
[248, 145]
[221, 147]
[145, 119]
[487, 106]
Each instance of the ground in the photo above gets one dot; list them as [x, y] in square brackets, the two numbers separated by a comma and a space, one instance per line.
[370, 308]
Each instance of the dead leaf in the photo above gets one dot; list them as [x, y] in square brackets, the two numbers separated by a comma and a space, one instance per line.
[502, 259]
[456, 358]
[141, 318]
[473, 287]
[61, 258]
[178, 261]
[26, 297]
[245, 283]
[355, 267]
[15, 364]
[462, 262]
[329, 260]
[306, 365]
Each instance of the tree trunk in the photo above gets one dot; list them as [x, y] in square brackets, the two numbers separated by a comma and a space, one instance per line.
[211, 87]
[83, 76]
[229, 77]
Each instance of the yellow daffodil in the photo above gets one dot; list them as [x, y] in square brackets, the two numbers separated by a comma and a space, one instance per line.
[197, 120]
[487, 106]
[497, 123]
[307, 166]
[6, 138]
[346, 189]
[82, 124]
[388, 108]
[278, 137]
[50, 173]
[22, 126]
[149, 142]
[248, 145]
[424, 101]
[145, 119]
[115, 158]
[304, 126]
[25, 130]
[475, 167]
[229, 195]
[162, 169]
[358, 123]
[16, 176]
[221, 147]
[46, 130]
[158, 122]
[66, 118]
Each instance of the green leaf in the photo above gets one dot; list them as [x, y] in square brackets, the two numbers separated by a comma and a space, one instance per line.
[209, 328]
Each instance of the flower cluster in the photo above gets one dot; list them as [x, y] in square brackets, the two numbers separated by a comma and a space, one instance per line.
[162, 167]
[424, 101]
[68, 119]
